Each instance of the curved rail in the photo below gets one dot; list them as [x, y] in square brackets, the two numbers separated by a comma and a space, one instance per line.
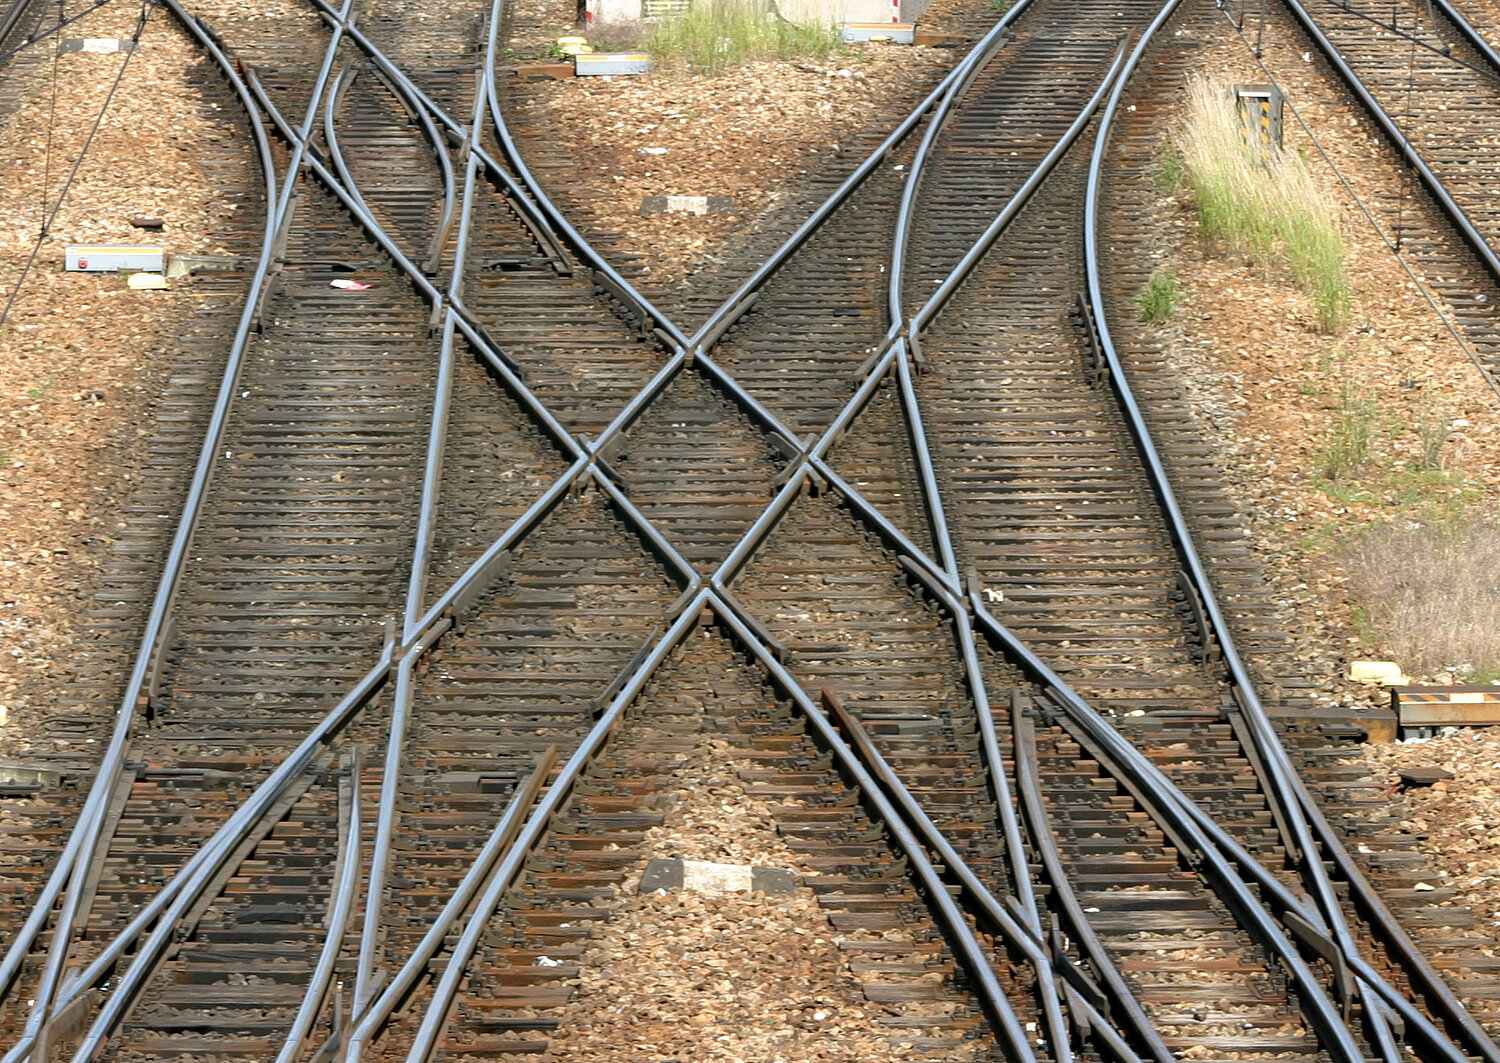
[421, 629]
[84, 841]
[557, 222]
[1299, 813]
[744, 297]
[906, 351]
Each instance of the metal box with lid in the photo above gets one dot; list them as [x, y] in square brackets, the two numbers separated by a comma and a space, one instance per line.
[104, 258]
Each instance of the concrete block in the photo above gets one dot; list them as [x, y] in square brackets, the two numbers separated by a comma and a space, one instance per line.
[185, 265]
[702, 877]
[18, 775]
[96, 45]
[1387, 672]
[687, 205]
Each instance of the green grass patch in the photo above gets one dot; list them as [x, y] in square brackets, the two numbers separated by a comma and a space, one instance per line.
[1168, 172]
[1264, 205]
[713, 37]
[1349, 436]
[1159, 298]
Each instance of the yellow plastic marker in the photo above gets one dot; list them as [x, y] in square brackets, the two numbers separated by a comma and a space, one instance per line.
[147, 282]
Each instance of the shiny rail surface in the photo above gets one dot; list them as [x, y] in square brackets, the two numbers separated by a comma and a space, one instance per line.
[450, 612]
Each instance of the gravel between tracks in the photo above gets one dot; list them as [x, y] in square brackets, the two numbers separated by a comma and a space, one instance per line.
[670, 134]
[81, 356]
[1456, 816]
[1271, 386]
[749, 134]
[691, 976]
[69, 455]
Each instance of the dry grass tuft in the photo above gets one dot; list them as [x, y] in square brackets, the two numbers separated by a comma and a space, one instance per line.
[1268, 208]
[1431, 596]
[719, 35]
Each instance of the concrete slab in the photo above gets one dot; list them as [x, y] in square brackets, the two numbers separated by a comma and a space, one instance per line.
[700, 876]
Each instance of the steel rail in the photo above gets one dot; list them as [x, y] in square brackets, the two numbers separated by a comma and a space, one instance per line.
[1280, 779]
[557, 221]
[1392, 998]
[443, 615]
[1070, 911]
[301, 140]
[11, 19]
[336, 90]
[84, 839]
[512, 863]
[421, 118]
[347, 191]
[404, 686]
[477, 562]
[1404, 147]
[225, 840]
[867, 390]
[955, 279]
[385, 830]
[742, 299]
[1148, 788]
[1184, 819]
[931, 493]
[342, 906]
[204, 864]
[184, 888]
[473, 330]
[1178, 533]
[126, 987]
[1277, 773]
[1471, 36]
[446, 217]
[422, 550]
[1445, 51]
[1198, 846]
[466, 322]
[1028, 939]
[368, 1021]
[1322, 1010]
[961, 937]
[518, 196]
[401, 706]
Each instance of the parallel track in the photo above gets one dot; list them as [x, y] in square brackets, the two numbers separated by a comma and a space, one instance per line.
[590, 492]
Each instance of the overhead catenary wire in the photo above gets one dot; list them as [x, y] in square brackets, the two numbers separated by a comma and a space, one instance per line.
[62, 196]
[51, 128]
[37, 36]
[1391, 242]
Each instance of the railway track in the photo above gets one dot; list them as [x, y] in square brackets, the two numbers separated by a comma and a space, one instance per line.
[914, 645]
[1422, 81]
